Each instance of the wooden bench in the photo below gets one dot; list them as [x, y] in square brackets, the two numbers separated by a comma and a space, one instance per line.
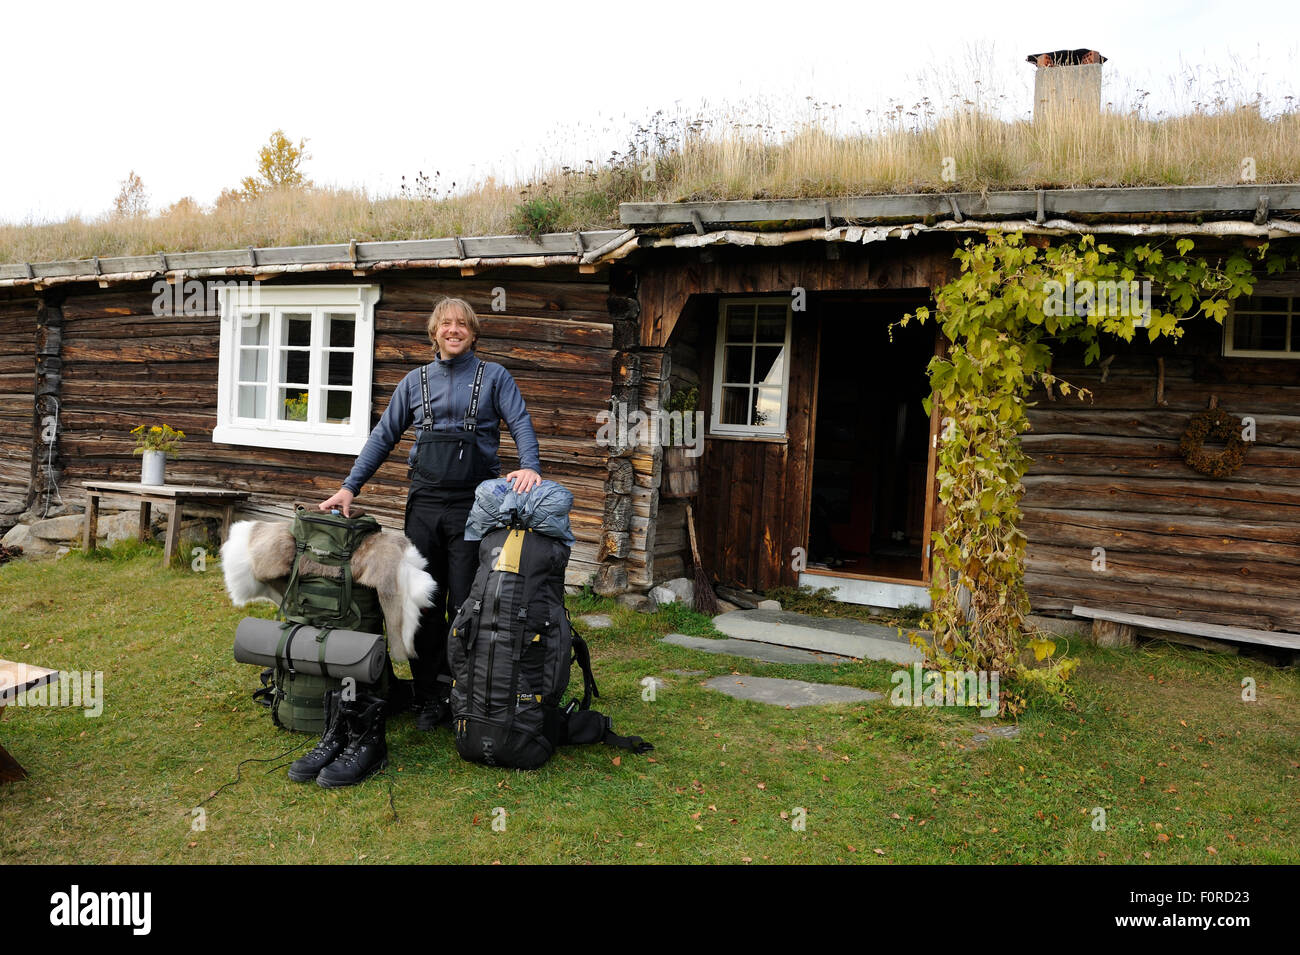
[15, 680]
[1111, 628]
[177, 495]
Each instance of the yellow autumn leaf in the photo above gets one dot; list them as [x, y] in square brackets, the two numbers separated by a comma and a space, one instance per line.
[1042, 648]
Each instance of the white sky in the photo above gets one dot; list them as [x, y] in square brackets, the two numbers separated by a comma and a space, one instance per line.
[186, 94]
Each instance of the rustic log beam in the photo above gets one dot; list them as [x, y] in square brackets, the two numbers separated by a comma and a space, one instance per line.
[46, 462]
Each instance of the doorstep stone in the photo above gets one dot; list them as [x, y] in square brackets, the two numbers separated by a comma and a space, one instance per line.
[850, 638]
[761, 689]
[752, 650]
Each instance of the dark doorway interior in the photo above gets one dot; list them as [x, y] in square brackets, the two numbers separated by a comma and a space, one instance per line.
[869, 493]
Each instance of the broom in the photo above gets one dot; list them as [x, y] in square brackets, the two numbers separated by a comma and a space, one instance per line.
[705, 601]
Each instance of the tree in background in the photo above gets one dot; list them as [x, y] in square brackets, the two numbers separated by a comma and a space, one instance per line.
[278, 165]
[132, 200]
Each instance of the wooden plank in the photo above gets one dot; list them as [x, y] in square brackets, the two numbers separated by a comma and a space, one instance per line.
[497, 246]
[1058, 203]
[1164, 496]
[1271, 638]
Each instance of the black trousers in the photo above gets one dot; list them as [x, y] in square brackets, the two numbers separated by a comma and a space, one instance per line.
[435, 524]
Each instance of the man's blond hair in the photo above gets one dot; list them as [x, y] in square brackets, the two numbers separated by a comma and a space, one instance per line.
[444, 309]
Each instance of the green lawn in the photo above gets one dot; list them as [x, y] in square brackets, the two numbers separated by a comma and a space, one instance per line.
[1161, 740]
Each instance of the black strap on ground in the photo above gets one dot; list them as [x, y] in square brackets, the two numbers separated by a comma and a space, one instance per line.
[588, 726]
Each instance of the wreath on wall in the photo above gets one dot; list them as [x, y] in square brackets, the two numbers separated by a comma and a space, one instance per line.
[1218, 425]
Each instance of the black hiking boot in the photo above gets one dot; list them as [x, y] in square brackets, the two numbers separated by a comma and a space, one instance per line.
[332, 742]
[367, 750]
[430, 713]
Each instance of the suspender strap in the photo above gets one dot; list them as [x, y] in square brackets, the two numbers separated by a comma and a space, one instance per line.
[471, 416]
[427, 424]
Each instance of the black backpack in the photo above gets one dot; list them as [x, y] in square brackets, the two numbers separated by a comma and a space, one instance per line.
[510, 648]
[329, 600]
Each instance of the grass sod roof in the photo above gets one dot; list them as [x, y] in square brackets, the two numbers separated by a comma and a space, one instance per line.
[1262, 211]
[965, 151]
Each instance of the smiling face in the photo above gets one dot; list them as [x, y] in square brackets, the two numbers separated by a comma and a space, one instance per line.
[453, 327]
[453, 335]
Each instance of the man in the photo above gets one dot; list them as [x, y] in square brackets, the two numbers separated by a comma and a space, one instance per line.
[450, 458]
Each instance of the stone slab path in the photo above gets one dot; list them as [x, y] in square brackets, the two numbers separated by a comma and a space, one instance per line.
[752, 650]
[850, 638]
[763, 689]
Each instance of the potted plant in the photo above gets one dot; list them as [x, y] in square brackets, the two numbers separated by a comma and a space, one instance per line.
[154, 443]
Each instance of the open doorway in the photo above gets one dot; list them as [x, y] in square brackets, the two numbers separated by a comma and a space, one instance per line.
[870, 479]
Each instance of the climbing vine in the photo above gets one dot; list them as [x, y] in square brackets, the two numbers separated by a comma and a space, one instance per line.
[1009, 304]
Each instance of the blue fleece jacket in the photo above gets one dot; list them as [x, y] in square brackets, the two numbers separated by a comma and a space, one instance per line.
[450, 384]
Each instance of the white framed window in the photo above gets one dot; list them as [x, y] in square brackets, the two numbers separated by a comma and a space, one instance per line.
[751, 372]
[295, 366]
[1263, 326]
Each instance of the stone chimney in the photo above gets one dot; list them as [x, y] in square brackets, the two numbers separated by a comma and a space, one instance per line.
[1067, 81]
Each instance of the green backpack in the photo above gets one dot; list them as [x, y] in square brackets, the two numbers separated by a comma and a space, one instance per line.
[320, 593]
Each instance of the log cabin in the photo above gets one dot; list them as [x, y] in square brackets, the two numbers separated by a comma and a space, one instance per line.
[775, 319]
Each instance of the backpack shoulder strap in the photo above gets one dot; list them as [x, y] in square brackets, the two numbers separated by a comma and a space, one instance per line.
[582, 657]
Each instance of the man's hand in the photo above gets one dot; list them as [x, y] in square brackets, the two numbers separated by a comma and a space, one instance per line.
[524, 480]
[342, 500]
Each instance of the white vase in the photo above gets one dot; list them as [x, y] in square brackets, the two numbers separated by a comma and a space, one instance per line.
[151, 467]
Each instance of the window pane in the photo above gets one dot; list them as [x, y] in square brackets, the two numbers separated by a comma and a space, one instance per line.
[297, 330]
[768, 364]
[294, 367]
[740, 323]
[292, 405]
[771, 323]
[253, 364]
[338, 407]
[735, 406]
[1257, 303]
[735, 363]
[1259, 332]
[252, 401]
[340, 367]
[1295, 333]
[253, 329]
[767, 407]
[340, 330]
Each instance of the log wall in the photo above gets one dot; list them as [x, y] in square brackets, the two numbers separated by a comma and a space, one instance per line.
[1107, 473]
[122, 365]
[17, 379]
